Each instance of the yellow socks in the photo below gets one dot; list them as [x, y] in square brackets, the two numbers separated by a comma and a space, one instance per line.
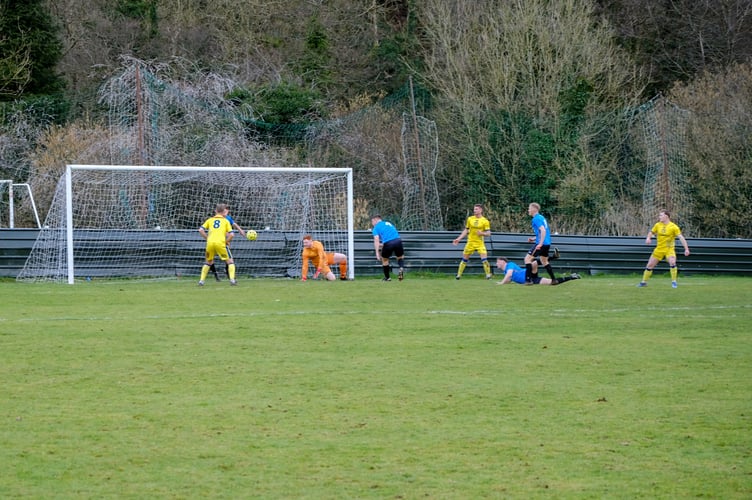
[461, 270]
[646, 275]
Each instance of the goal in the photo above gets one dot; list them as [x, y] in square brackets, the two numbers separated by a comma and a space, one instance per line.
[142, 222]
[8, 193]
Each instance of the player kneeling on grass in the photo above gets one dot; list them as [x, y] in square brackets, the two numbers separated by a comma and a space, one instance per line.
[314, 252]
[217, 231]
[516, 274]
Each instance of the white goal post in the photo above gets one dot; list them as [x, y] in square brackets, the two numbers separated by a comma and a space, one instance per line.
[118, 221]
[11, 222]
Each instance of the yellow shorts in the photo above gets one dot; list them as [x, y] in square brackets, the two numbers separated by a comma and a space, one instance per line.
[213, 249]
[659, 255]
[475, 247]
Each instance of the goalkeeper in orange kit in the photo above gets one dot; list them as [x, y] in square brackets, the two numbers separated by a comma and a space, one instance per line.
[313, 252]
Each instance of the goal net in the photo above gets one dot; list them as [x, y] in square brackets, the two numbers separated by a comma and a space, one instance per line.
[141, 222]
[662, 128]
[421, 210]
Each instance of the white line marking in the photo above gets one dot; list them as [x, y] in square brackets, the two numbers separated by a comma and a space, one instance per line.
[478, 312]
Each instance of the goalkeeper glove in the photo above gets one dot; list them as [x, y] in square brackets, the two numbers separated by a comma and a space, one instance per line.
[316, 276]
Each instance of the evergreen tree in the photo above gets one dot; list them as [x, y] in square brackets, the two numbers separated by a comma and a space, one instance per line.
[29, 50]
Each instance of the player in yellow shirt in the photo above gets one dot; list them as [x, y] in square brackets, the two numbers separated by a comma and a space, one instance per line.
[314, 252]
[235, 227]
[477, 228]
[217, 231]
[666, 233]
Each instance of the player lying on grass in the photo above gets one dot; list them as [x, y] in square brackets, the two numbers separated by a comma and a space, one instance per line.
[314, 252]
[516, 274]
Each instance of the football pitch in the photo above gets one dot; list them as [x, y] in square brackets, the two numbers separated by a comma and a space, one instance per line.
[426, 388]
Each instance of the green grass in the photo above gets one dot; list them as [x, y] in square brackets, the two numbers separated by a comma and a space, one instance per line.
[428, 388]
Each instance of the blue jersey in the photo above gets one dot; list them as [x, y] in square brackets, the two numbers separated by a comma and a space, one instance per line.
[231, 221]
[385, 231]
[539, 221]
[518, 274]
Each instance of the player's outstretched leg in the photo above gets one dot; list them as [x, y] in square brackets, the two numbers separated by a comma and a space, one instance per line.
[564, 279]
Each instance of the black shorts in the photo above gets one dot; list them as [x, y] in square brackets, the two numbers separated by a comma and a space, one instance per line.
[543, 252]
[392, 247]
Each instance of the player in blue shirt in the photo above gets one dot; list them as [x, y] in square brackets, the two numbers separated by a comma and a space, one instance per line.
[387, 242]
[541, 242]
[515, 274]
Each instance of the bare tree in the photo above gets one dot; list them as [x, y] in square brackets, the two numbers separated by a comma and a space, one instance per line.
[15, 70]
[513, 75]
[720, 152]
[679, 39]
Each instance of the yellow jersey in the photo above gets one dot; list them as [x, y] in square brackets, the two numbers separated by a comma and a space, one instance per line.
[666, 235]
[217, 228]
[473, 225]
